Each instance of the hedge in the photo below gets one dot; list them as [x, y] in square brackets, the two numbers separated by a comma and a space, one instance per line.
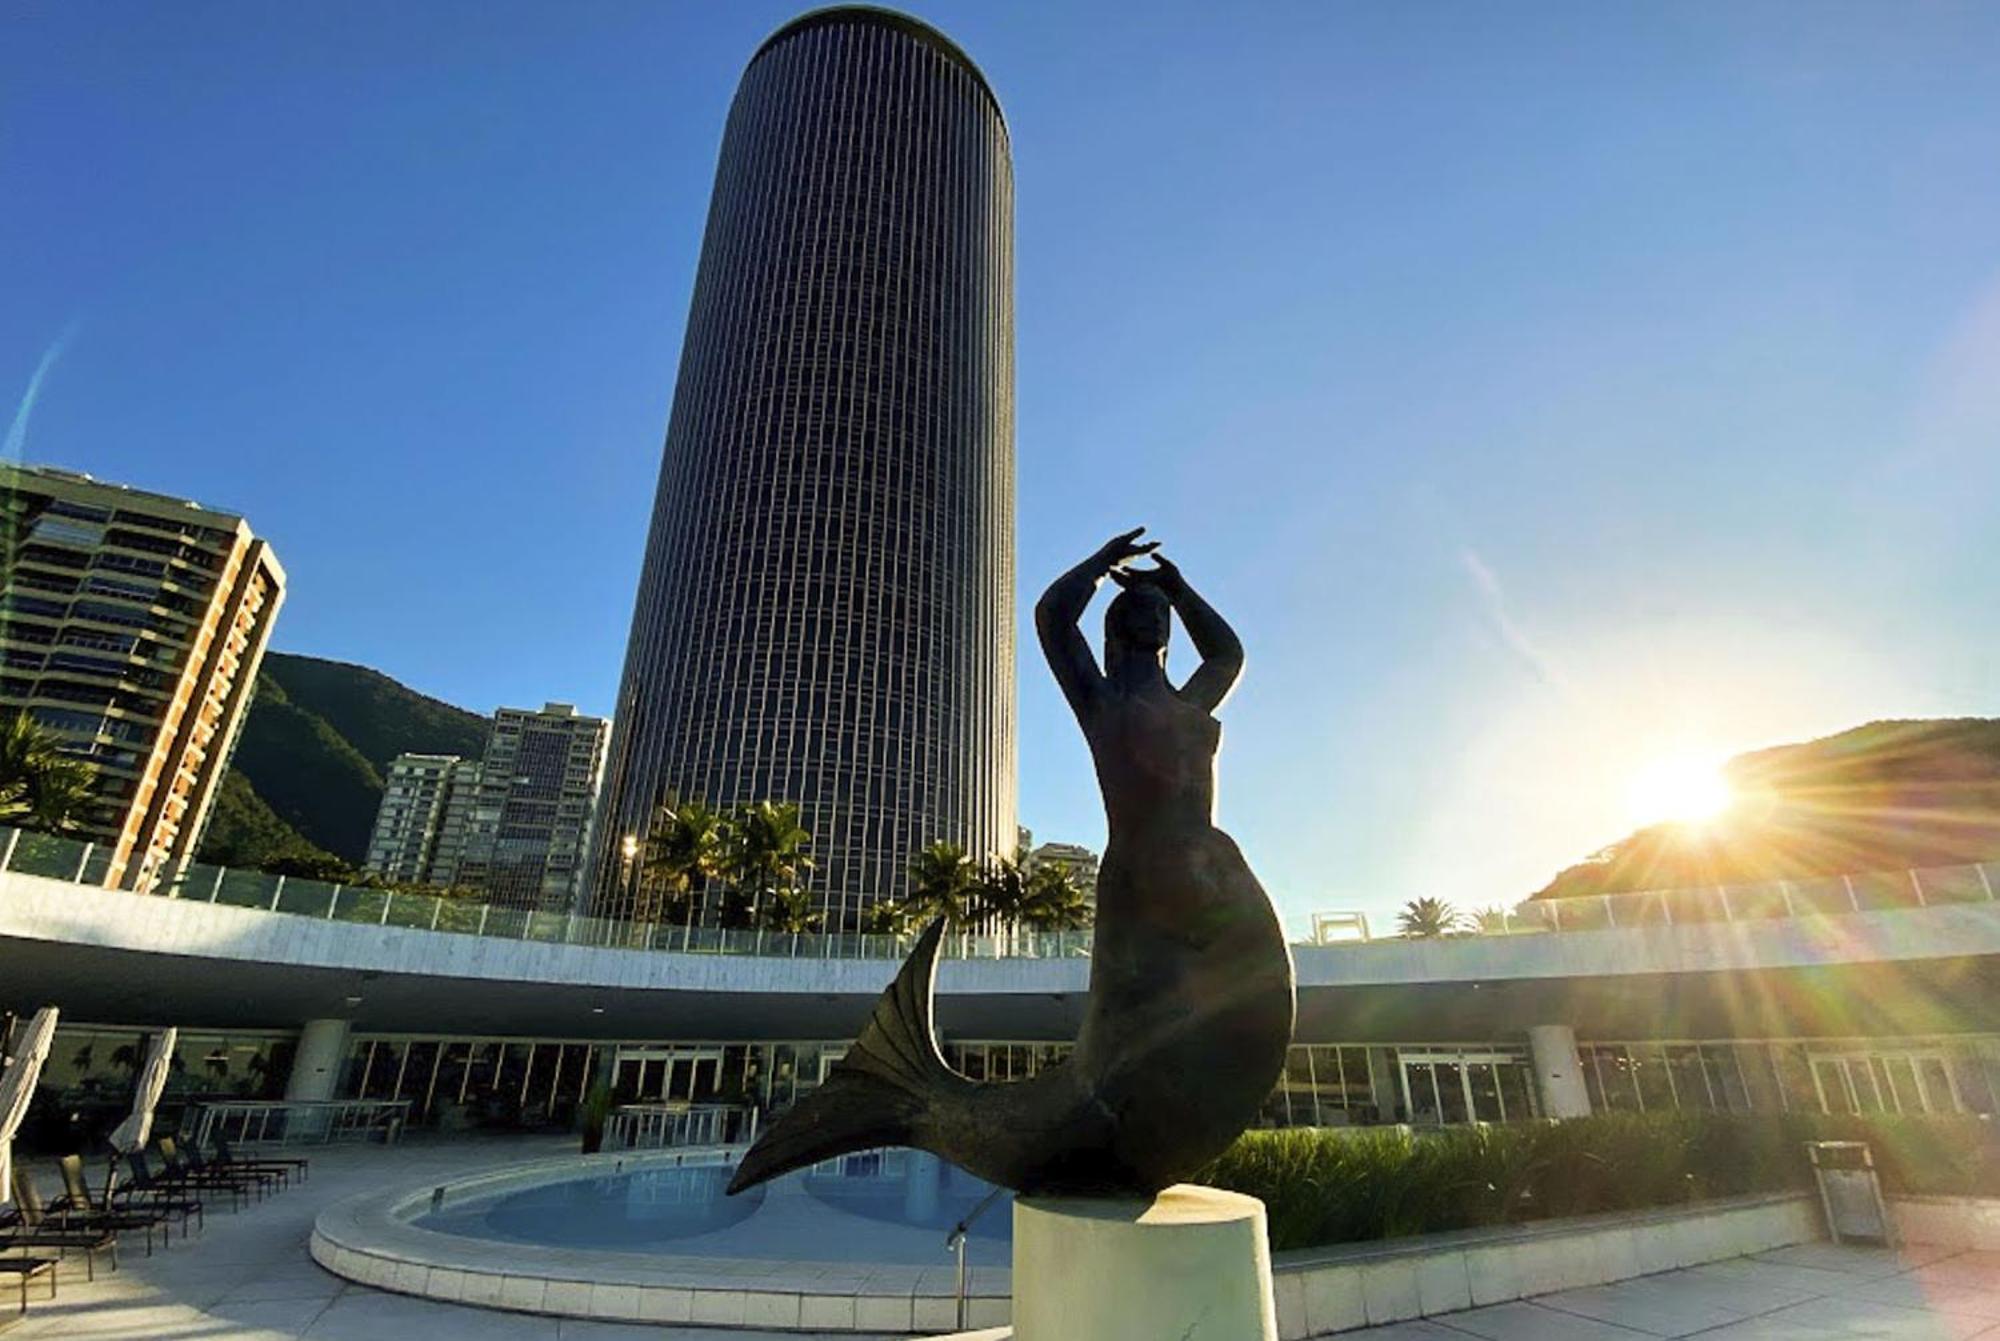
[1347, 1185]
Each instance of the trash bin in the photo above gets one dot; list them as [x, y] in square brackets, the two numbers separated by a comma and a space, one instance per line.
[1850, 1192]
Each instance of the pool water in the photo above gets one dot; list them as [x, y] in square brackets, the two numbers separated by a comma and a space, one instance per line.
[894, 1208]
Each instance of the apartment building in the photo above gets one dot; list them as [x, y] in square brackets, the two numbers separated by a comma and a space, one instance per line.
[132, 625]
[527, 837]
[429, 807]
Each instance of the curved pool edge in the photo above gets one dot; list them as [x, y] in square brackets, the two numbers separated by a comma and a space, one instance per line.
[368, 1240]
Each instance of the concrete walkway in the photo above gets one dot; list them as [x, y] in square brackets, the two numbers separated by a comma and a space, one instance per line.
[1812, 1290]
[248, 1278]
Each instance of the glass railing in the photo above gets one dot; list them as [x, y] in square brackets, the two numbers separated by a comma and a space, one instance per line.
[87, 863]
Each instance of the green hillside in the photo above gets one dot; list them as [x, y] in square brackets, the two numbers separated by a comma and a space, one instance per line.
[307, 776]
[1883, 796]
[243, 831]
[378, 717]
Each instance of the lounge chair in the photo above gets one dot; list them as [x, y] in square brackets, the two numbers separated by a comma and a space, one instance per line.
[170, 1184]
[34, 1212]
[189, 1164]
[126, 1200]
[23, 1227]
[290, 1164]
[27, 1269]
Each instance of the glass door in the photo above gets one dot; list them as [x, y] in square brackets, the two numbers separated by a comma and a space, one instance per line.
[1484, 1083]
[1445, 1087]
[1905, 1095]
[1420, 1095]
[1835, 1094]
[640, 1076]
[695, 1077]
[1454, 1100]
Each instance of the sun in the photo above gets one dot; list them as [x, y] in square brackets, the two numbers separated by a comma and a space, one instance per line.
[1678, 791]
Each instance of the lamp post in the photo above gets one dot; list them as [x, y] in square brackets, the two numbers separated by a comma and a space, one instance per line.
[628, 848]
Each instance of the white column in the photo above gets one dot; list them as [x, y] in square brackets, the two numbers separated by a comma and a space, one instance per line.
[1192, 1264]
[1558, 1071]
[316, 1065]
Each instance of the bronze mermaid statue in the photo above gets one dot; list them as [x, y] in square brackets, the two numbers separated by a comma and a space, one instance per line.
[1191, 1002]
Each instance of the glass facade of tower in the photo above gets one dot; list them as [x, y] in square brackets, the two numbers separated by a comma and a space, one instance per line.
[825, 609]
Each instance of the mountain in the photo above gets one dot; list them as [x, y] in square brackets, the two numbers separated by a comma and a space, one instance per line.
[307, 775]
[243, 831]
[1879, 797]
[378, 717]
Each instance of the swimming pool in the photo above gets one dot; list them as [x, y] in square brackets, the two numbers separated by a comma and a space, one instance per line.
[853, 1245]
[884, 1207]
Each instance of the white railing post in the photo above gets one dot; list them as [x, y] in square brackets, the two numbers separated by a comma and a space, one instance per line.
[215, 890]
[277, 891]
[437, 910]
[82, 864]
[13, 840]
[1917, 884]
[1853, 899]
[333, 904]
[388, 898]
[1984, 883]
[1785, 892]
[1722, 895]
[1610, 918]
[484, 909]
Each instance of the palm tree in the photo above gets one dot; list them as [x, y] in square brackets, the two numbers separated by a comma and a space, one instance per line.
[887, 917]
[1056, 902]
[1002, 890]
[1427, 919]
[766, 856]
[686, 847]
[41, 787]
[943, 881]
[791, 909]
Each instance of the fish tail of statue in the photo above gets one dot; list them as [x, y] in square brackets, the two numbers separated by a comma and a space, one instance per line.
[877, 1093]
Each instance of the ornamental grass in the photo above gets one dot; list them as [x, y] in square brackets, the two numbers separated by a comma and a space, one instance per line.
[1348, 1185]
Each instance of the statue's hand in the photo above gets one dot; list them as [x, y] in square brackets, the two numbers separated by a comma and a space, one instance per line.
[1164, 574]
[1122, 549]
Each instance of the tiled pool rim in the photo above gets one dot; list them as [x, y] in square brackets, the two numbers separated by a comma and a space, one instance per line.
[368, 1239]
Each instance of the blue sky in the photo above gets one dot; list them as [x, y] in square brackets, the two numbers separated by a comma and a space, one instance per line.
[1543, 390]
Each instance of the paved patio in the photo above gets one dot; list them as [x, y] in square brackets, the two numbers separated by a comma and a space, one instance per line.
[1812, 1290]
[248, 1279]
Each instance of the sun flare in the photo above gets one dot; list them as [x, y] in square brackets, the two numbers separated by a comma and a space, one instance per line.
[1678, 791]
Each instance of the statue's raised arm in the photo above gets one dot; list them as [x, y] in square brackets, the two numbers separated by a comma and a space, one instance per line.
[1221, 653]
[1063, 604]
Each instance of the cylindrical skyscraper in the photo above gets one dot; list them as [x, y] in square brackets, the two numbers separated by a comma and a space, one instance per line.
[825, 613]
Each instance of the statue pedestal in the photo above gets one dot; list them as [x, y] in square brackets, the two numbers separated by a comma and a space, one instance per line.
[1192, 1264]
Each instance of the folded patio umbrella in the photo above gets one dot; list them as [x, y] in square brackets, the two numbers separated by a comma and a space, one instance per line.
[137, 1128]
[17, 1089]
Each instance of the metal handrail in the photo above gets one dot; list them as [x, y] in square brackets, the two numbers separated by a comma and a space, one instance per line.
[286, 1121]
[954, 1242]
[662, 1126]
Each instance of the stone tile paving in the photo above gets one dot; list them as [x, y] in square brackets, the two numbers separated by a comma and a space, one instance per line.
[247, 1278]
[1814, 1290]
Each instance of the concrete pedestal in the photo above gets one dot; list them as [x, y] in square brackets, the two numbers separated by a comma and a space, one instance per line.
[1192, 1264]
